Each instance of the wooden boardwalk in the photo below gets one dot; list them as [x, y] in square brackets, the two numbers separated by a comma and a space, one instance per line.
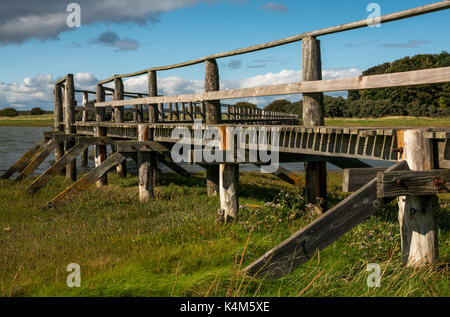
[142, 126]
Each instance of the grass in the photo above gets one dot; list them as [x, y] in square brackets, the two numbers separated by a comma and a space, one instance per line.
[44, 120]
[174, 246]
[391, 121]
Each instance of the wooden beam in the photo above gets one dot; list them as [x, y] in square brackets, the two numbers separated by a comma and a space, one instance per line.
[57, 167]
[323, 231]
[416, 77]
[212, 116]
[412, 183]
[69, 120]
[83, 183]
[355, 178]
[100, 149]
[146, 177]
[313, 115]
[37, 159]
[437, 6]
[25, 159]
[121, 169]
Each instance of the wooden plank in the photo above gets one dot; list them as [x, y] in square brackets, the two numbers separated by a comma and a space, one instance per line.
[25, 159]
[417, 77]
[89, 179]
[355, 178]
[413, 183]
[323, 231]
[37, 160]
[442, 5]
[342, 162]
[56, 168]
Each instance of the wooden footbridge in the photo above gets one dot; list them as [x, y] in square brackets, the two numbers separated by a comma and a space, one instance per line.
[142, 126]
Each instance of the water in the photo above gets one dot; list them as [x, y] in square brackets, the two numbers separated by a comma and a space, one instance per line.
[15, 141]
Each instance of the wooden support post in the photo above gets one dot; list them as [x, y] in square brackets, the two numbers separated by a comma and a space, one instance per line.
[153, 118]
[58, 118]
[212, 116]
[315, 172]
[228, 180]
[84, 154]
[69, 120]
[417, 214]
[146, 177]
[121, 169]
[100, 150]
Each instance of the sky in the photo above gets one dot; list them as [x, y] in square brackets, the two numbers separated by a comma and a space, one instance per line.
[120, 36]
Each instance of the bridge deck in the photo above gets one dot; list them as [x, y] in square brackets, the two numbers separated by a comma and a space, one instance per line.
[377, 143]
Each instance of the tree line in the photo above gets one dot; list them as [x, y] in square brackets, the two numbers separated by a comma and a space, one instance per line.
[419, 101]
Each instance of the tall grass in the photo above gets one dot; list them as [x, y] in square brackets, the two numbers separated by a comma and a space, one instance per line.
[174, 247]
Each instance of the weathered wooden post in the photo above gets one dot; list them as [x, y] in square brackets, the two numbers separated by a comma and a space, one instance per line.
[213, 116]
[58, 117]
[153, 118]
[417, 214]
[121, 169]
[146, 177]
[313, 115]
[100, 149]
[84, 153]
[228, 179]
[69, 120]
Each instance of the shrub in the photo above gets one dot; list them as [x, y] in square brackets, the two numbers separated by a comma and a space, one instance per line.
[8, 112]
[36, 111]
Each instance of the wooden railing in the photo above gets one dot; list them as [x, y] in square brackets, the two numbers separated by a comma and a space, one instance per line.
[207, 107]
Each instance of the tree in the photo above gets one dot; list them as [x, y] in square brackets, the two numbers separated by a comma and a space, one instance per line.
[9, 112]
[36, 111]
[278, 105]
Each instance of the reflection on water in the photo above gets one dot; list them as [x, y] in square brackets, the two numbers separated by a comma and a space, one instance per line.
[15, 141]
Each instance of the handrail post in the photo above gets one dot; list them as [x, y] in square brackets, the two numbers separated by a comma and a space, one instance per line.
[58, 118]
[69, 120]
[153, 118]
[212, 116]
[100, 149]
[313, 115]
[121, 169]
[84, 103]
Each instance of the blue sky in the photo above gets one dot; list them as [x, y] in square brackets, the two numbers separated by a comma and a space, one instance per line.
[36, 46]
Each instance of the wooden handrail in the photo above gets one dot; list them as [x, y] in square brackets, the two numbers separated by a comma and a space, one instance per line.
[442, 5]
[417, 77]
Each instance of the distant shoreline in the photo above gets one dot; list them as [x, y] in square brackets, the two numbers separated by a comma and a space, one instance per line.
[46, 120]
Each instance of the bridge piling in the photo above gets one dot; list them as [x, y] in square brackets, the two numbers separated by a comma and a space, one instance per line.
[69, 120]
[84, 153]
[313, 115]
[417, 214]
[212, 117]
[121, 169]
[100, 149]
[146, 178]
[153, 118]
[58, 118]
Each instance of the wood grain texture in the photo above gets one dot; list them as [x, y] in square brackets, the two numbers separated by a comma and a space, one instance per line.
[57, 167]
[413, 183]
[355, 178]
[25, 159]
[323, 231]
[83, 183]
[37, 159]
[417, 77]
[417, 214]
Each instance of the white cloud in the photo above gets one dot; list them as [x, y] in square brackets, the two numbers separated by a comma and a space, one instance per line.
[25, 19]
[38, 91]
